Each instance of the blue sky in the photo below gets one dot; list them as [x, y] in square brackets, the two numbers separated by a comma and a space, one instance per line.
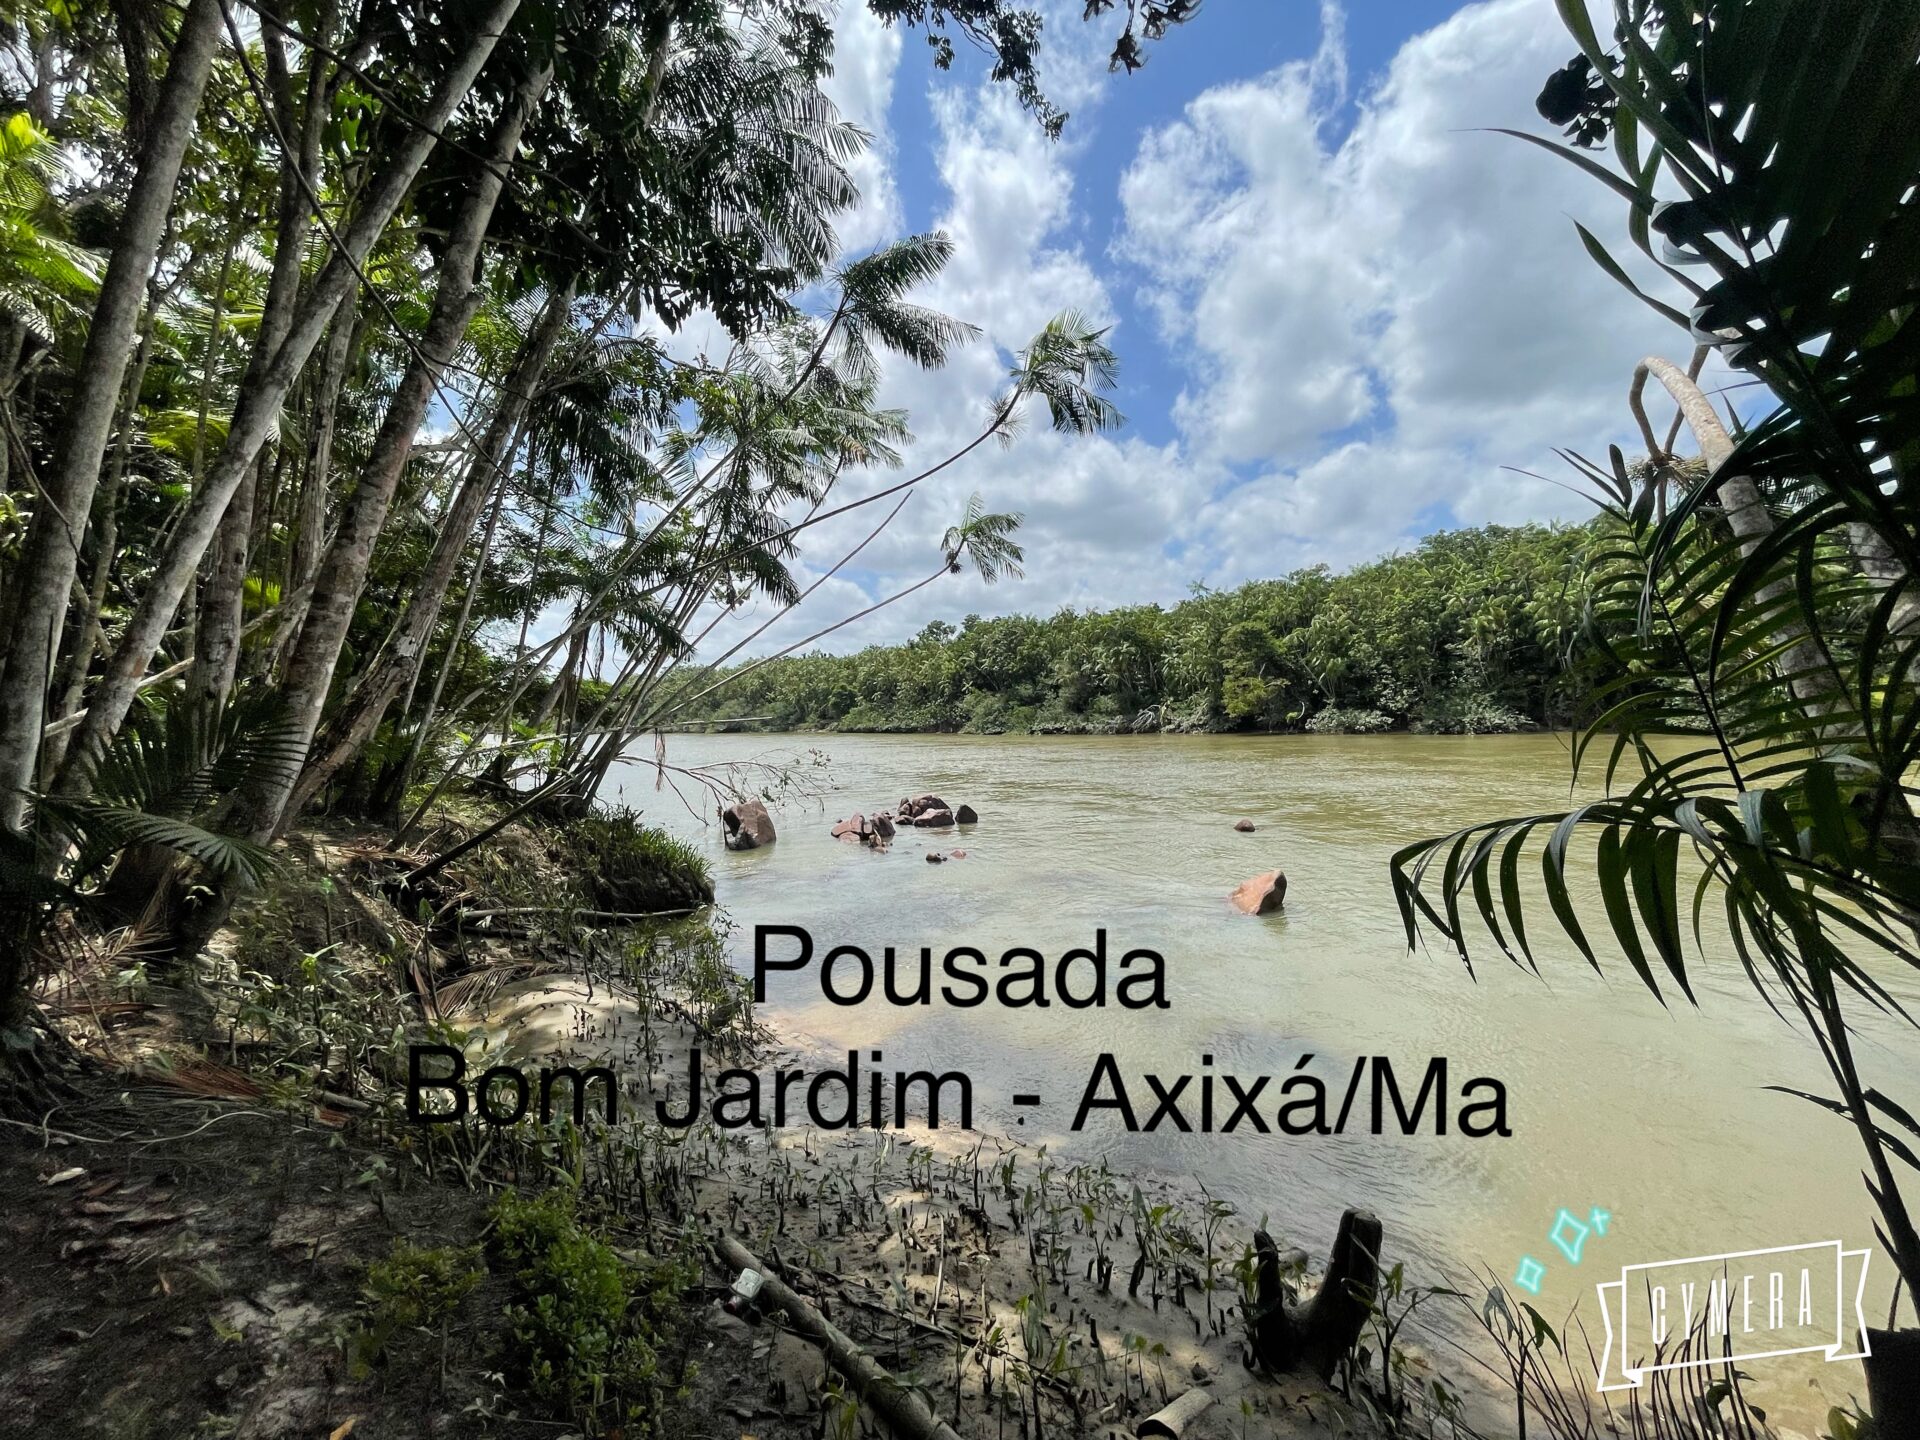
[1263, 35]
[1346, 315]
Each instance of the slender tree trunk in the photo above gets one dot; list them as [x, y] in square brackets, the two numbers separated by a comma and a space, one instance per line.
[310, 535]
[262, 801]
[361, 714]
[1809, 677]
[106, 548]
[453, 647]
[223, 598]
[53, 542]
[258, 408]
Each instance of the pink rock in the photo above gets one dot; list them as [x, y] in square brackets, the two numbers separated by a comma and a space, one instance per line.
[1262, 895]
[748, 825]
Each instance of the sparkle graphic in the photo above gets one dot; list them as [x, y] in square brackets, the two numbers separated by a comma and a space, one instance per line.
[1598, 1219]
[1569, 1236]
[1530, 1274]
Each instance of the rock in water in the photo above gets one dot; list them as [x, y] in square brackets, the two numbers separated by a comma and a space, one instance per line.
[854, 827]
[940, 817]
[883, 826]
[749, 827]
[964, 815]
[934, 857]
[1245, 827]
[1262, 895]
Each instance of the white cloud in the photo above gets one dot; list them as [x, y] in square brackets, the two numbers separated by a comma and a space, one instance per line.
[1374, 319]
[865, 56]
[1419, 281]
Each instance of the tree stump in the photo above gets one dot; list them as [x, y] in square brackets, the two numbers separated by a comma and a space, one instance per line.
[1893, 1382]
[1288, 1336]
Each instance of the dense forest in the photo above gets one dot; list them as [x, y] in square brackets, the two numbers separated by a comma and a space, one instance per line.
[308, 414]
[1474, 631]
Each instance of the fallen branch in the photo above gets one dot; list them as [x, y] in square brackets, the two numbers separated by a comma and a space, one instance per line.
[903, 1409]
[618, 916]
[68, 722]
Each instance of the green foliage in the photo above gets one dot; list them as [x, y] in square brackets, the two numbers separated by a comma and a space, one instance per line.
[1471, 632]
[1338, 720]
[628, 866]
[412, 1290]
[586, 1323]
[162, 781]
[43, 278]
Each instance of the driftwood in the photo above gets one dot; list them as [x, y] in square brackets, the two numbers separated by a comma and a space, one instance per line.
[903, 1409]
[1177, 1416]
[1315, 1336]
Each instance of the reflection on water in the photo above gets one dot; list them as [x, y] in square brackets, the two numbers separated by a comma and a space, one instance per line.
[1658, 1115]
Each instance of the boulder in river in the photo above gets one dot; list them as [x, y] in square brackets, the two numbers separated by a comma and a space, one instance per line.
[964, 815]
[883, 825]
[1245, 827]
[934, 857]
[1262, 895]
[941, 817]
[854, 827]
[748, 825]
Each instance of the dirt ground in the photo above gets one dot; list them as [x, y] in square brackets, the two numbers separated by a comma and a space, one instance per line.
[183, 1267]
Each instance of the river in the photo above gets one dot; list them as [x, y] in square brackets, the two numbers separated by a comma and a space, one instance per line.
[1659, 1116]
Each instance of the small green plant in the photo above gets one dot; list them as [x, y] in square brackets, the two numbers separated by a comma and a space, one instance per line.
[1335, 721]
[586, 1322]
[412, 1290]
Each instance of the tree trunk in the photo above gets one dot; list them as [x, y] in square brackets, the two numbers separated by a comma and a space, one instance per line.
[310, 534]
[223, 599]
[365, 706]
[1316, 1335]
[258, 408]
[262, 801]
[454, 640]
[52, 550]
[106, 547]
[1809, 677]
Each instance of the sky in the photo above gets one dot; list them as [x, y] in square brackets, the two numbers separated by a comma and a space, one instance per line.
[1347, 316]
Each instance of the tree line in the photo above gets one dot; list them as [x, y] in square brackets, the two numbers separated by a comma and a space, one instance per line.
[1471, 631]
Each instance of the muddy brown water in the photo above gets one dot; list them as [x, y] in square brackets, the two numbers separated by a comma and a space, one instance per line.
[1658, 1115]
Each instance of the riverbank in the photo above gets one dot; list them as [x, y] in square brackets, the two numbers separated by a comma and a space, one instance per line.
[228, 1226]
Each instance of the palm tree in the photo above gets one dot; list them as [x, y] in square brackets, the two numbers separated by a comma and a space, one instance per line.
[985, 539]
[44, 278]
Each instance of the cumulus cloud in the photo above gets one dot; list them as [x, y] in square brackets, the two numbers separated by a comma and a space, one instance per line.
[865, 57]
[1380, 325]
[1380, 313]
